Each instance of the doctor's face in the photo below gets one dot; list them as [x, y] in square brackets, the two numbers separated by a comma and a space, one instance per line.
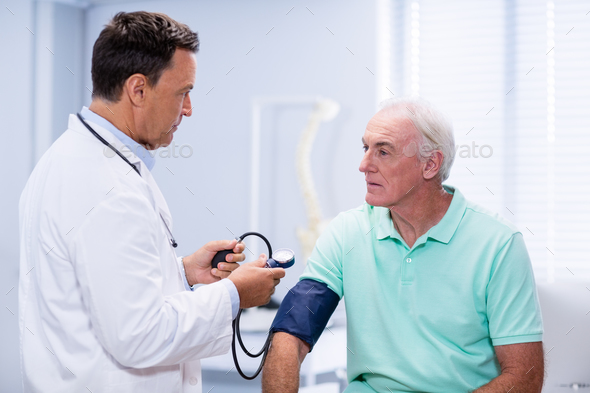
[390, 162]
[168, 101]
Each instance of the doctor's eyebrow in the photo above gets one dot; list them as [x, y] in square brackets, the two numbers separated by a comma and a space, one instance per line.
[188, 87]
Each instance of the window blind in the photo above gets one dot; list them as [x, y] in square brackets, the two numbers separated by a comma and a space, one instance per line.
[513, 76]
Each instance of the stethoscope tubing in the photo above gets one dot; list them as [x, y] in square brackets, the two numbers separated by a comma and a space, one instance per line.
[106, 143]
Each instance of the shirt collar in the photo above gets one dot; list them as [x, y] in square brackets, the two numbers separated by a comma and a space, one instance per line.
[442, 232]
[146, 157]
[385, 227]
[446, 228]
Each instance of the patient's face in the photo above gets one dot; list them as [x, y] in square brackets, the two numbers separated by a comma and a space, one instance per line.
[390, 163]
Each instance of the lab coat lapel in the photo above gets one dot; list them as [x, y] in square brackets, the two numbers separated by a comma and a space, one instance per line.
[160, 202]
[77, 125]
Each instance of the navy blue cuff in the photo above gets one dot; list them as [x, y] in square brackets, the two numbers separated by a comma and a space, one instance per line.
[305, 311]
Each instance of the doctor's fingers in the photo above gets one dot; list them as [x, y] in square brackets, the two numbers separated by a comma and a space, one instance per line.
[220, 245]
[220, 274]
[239, 248]
[277, 272]
[227, 266]
[235, 257]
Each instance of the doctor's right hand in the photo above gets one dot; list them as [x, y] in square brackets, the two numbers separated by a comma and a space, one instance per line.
[255, 282]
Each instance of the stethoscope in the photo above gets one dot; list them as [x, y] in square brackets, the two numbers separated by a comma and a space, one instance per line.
[113, 148]
[283, 257]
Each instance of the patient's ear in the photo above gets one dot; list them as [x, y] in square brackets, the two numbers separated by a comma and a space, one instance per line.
[433, 165]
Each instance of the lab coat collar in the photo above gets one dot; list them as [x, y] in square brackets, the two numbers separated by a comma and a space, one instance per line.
[76, 125]
[148, 158]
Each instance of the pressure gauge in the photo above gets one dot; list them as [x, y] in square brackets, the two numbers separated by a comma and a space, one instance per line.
[283, 257]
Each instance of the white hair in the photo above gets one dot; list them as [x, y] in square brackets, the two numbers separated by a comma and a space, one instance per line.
[435, 128]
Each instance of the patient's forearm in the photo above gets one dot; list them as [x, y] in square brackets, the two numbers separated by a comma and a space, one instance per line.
[281, 369]
[510, 383]
[502, 383]
[523, 369]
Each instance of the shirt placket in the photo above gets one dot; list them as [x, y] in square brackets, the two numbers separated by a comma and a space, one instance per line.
[408, 264]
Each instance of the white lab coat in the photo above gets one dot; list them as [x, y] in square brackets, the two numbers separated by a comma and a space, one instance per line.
[102, 302]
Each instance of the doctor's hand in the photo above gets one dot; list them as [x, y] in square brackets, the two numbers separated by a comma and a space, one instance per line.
[255, 282]
[197, 266]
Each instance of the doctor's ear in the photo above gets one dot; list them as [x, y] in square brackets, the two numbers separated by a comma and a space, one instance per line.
[135, 88]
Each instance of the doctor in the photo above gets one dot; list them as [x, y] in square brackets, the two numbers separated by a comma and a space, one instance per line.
[105, 303]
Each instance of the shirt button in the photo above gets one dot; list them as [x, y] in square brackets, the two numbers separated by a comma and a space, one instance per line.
[193, 381]
[408, 260]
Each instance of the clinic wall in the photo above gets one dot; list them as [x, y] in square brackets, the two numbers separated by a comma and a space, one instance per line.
[68, 26]
[57, 70]
[16, 50]
[41, 44]
[263, 49]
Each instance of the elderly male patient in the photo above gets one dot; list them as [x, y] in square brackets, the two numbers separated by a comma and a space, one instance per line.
[440, 294]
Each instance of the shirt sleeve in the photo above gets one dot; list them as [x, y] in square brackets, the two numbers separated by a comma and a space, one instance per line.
[233, 295]
[514, 314]
[229, 285]
[183, 273]
[325, 263]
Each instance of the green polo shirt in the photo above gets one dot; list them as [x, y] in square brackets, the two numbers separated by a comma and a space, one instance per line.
[427, 318]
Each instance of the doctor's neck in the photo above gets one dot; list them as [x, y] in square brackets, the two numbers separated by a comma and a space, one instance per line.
[120, 114]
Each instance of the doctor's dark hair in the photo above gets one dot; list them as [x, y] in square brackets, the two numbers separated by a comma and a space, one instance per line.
[136, 42]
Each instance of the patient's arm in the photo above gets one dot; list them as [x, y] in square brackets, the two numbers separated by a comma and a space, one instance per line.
[299, 322]
[283, 363]
[523, 369]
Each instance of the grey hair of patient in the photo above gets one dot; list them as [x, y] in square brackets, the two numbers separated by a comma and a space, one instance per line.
[434, 127]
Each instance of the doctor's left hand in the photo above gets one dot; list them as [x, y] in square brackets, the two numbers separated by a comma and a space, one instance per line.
[197, 266]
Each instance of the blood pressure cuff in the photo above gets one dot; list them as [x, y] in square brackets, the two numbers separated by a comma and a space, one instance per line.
[305, 311]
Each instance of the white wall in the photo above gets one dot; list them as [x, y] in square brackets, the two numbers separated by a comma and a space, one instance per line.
[16, 50]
